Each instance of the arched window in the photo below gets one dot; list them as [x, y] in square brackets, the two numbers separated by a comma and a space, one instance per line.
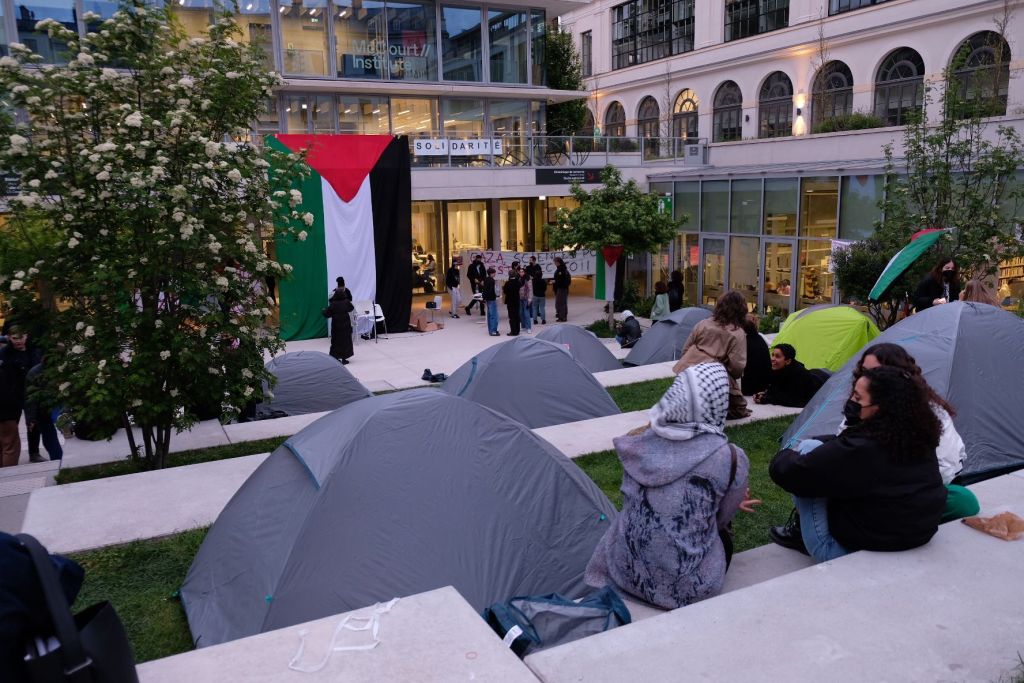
[831, 94]
[775, 107]
[648, 117]
[684, 116]
[728, 113]
[981, 72]
[587, 129]
[899, 86]
[615, 121]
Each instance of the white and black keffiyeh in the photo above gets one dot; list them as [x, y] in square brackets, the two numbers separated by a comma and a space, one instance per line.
[696, 403]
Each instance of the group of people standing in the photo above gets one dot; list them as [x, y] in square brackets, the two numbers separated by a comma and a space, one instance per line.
[524, 293]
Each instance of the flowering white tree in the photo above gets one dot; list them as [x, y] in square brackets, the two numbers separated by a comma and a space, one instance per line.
[138, 218]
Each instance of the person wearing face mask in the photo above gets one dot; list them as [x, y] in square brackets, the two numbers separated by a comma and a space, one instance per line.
[940, 286]
[790, 384]
[877, 485]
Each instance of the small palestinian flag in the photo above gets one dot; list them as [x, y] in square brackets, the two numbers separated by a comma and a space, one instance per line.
[604, 280]
[359, 193]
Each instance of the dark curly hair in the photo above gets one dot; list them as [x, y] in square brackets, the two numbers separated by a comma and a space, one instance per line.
[731, 309]
[895, 356]
[905, 422]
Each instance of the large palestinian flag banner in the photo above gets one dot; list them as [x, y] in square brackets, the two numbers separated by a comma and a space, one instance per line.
[359, 193]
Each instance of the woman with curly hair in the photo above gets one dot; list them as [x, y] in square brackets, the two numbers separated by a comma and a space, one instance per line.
[722, 339]
[877, 485]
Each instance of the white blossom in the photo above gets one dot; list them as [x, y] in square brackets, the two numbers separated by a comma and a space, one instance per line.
[232, 75]
[102, 364]
[18, 143]
[213, 371]
[137, 403]
[18, 89]
[186, 81]
[103, 175]
[248, 392]
[302, 236]
[16, 285]
[173, 393]
[9, 62]
[85, 59]
[77, 349]
[222, 282]
[79, 326]
[64, 386]
[133, 120]
[158, 323]
[164, 355]
[212, 148]
[247, 373]
[235, 175]
[50, 175]
[105, 147]
[90, 331]
[307, 218]
[177, 216]
[109, 74]
[72, 243]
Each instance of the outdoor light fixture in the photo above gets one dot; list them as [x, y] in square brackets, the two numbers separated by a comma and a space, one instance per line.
[799, 111]
[543, 197]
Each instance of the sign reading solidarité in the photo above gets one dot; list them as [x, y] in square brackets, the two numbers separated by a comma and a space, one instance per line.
[432, 147]
[582, 263]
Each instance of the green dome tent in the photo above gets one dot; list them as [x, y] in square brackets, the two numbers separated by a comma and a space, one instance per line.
[826, 336]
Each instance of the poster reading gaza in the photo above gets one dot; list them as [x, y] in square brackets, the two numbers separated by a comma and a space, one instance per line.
[580, 263]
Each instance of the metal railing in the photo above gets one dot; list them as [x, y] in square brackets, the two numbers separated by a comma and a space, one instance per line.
[516, 151]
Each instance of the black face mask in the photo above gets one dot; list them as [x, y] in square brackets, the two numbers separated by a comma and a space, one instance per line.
[947, 275]
[851, 411]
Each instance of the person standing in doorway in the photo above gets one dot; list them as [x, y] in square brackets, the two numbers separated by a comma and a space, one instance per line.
[562, 281]
[540, 291]
[490, 300]
[451, 281]
[476, 275]
[511, 292]
[525, 300]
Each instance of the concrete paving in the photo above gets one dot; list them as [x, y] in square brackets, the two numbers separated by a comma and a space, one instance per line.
[434, 636]
[950, 610]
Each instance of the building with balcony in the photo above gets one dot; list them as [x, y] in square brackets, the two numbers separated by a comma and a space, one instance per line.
[771, 91]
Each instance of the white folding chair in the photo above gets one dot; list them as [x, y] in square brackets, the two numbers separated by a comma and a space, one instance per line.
[378, 317]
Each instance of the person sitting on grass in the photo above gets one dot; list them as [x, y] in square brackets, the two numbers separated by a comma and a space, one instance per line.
[790, 384]
[877, 485]
[960, 502]
[682, 483]
[758, 370]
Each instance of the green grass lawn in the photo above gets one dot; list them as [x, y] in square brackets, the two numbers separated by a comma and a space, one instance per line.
[641, 395]
[141, 579]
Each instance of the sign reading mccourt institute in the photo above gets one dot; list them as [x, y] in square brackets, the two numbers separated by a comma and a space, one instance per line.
[431, 147]
[567, 176]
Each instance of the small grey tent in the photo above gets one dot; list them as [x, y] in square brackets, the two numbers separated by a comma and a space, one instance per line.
[666, 338]
[388, 497]
[310, 382]
[582, 345]
[973, 356]
[533, 381]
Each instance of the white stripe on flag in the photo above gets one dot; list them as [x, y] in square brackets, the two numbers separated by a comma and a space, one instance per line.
[609, 280]
[349, 243]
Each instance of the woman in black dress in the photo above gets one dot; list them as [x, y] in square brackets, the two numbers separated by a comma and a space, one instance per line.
[338, 309]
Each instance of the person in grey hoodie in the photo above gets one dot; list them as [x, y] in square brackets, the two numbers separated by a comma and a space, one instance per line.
[682, 484]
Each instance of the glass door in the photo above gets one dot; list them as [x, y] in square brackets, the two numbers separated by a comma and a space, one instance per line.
[779, 273]
[713, 263]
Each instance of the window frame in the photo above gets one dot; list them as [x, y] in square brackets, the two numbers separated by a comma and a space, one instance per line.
[775, 110]
[825, 100]
[727, 113]
[686, 116]
[884, 89]
[748, 18]
[644, 31]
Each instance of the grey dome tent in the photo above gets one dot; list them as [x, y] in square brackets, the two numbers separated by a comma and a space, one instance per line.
[666, 338]
[973, 356]
[389, 497]
[310, 382]
[533, 381]
[582, 345]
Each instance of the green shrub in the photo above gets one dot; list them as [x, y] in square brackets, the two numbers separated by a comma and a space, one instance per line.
[770, 323]
[600, 328]
[855, 121]
[634, 301]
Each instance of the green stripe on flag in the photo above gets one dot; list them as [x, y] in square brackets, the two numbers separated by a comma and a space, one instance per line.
[303, 295]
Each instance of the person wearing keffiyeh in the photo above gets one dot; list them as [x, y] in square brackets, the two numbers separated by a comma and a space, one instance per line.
[682, 484]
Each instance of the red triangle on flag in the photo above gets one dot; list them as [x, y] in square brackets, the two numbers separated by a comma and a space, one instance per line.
[343, 161]
[611, 254]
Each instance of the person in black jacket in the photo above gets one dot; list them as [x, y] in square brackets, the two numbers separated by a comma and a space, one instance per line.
[877, 485]
[561, 286]
[758, 369]
[511, 292]
[476, 274]
[451, 282]
[790, 383]
[629, 331]
[16, 359]
[540, 292]
[489, 292]
[940, 286]
[675, 291]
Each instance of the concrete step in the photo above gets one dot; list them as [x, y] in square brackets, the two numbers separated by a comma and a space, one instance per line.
[844, 620]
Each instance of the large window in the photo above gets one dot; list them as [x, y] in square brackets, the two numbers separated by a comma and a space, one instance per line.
[746, 207]
[981, 72]
[360, 30]
[837, 6]
[819, 204]
[509, 36]
[414, 116]
[645, 30]
[832, 94]
[899, 86]
[254, 20]
[775, 107]
[858, 205]
[745, 18]
[539, 39]
[715, 206]
[615, 121]
[31, 11]
[684, 116]
[463, 118]
[687, 203]
[780, 206]
[461, 44]
[587, 52]
[728, 116]
[304, 35]
[412, 44]
[648, 118]
[363, 114]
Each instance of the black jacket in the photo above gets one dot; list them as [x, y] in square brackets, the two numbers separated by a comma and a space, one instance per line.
[476, 272]
[757, 373]
[793, 386]
[562, 278]
[452, 278]
[630, 332]
[511, 291]
[14, 366]
[675, 296]
[534, 270]
[540, 285]
[490, 290]
[874, 502]
[929, 290]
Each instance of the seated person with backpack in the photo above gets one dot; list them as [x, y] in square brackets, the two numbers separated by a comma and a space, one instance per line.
[790, 383]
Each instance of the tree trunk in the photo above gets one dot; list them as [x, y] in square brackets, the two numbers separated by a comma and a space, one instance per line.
[134, 456]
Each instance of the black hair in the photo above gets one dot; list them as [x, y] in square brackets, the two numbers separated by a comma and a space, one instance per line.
[676, 276]
[788, 352]
[936, 272]
[895, 356]
[905, 421]
[340, 281]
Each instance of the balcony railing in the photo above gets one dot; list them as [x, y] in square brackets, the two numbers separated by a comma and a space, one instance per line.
[515, 151]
